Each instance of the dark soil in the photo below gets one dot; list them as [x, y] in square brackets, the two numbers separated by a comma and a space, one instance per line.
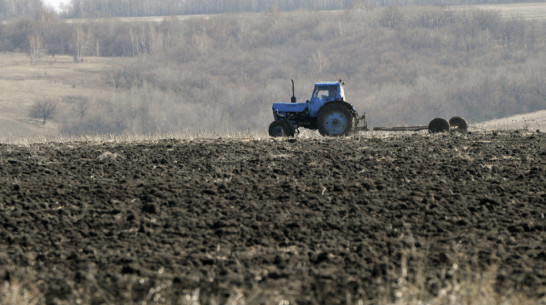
[324, 221]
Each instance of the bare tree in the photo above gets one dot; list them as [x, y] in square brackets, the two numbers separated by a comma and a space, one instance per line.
[391, 17]
[201, 38]
[82, 41]
[135, 47]
[35, 47]
[155, 40]
[320, 62]
[43, 109]
[79, 44]
[80, 104]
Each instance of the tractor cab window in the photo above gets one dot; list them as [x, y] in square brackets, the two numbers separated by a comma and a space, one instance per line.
[333, 92]
[321, 92]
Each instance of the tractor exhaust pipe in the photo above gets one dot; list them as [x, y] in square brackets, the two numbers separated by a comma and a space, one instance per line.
[293, 99]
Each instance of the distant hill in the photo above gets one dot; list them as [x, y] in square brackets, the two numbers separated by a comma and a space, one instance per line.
[142, 8]
[531, 121]
[10, 9]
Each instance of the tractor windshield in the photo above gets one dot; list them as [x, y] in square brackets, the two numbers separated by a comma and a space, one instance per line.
[321, 92]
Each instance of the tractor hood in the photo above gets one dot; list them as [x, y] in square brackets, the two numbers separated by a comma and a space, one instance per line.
[289, 107]
[284, 108]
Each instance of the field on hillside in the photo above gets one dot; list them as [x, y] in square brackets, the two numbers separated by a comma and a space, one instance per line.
[521, 11]
[527, 121]
[443, 218]
[153, 181]
[54, 78]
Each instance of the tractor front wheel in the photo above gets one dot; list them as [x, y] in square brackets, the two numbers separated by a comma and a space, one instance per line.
[335, 120]
[280, 129]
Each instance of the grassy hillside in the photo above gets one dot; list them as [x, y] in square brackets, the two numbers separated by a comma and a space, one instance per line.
[56, 79]
[403, 66]
[523, 11]
[530, 121]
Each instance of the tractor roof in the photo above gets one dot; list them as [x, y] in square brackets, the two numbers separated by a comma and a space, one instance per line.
[327, 83]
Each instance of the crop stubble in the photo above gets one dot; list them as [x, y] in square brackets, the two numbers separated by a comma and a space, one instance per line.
[315, 220]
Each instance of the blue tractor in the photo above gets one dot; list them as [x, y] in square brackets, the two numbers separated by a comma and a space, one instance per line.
[327, 111]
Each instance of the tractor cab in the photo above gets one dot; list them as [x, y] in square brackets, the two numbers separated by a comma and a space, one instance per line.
[328, 91]
[323, 93]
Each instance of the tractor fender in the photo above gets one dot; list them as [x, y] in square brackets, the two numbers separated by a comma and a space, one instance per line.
[349, 106]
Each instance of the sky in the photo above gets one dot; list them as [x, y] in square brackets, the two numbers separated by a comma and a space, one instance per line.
[55, 3]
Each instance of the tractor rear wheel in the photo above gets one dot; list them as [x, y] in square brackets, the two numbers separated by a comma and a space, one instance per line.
[280, 129]
[459, 123]
[335, 120]
[438, 125]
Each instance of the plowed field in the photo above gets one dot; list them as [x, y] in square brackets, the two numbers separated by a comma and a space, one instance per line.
[310, 221]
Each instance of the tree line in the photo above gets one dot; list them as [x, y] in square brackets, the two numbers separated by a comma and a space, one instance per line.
[18, 8]
[139, 8]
